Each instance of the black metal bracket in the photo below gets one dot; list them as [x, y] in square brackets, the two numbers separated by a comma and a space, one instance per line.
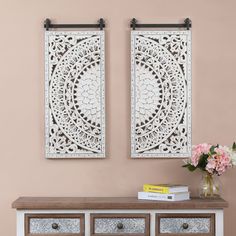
[48, 25]
[187, 24]
[133, 23]
[101, 23]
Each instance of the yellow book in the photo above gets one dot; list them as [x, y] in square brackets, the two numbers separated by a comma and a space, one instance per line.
[165, 188]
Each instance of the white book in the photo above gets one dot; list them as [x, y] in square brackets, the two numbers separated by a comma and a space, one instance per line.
[164, 196]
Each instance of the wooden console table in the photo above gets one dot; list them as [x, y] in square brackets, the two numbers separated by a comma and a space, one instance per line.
[71, 216]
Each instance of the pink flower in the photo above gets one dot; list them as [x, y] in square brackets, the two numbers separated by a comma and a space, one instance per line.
[219, 162]
[211, 165]
[213, 159]
[198, 150]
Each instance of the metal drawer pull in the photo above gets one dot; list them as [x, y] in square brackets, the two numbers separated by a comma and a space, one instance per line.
[55, 226]
[185, 225]
[120, 226]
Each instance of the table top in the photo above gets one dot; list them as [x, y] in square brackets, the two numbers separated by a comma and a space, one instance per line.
[102, 203]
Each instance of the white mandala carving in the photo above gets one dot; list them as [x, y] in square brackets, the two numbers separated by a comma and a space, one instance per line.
[161, 94]
[75, 120]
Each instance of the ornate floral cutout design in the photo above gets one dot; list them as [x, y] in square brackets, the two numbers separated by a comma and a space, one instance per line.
[161, 94]
[74, 94]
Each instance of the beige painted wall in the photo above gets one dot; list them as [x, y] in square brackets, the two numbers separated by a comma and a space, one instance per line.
[23, 169]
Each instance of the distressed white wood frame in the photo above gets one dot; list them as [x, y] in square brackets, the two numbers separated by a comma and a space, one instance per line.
[161, 94]
[74, 94]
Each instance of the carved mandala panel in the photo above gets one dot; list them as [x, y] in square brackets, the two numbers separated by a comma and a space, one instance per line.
[161, 93]
[74, 94]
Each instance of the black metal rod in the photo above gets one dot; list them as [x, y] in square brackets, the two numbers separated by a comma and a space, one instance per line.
[187, 24]
[48, 25]
[161, 26]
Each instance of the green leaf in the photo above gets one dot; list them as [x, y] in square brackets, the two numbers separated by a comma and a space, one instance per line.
[203, 161]
[186, 165]
[192, 168]
[212, 150]
[234, 146]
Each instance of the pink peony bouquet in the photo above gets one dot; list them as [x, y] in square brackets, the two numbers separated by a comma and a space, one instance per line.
[212, 159]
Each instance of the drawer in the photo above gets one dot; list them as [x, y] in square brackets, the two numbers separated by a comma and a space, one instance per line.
[120, 224]
[54, 224]
[185, 224]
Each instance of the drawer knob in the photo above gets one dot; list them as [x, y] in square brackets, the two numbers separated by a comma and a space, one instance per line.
[185, 225]
[120, 226]
[55, 226]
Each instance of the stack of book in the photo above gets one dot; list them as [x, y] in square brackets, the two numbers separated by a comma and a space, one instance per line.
[164, 192]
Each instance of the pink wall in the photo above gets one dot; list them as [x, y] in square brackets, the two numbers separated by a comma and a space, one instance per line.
[23, 169]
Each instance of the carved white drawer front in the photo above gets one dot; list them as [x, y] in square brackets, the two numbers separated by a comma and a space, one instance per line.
[55, 224]
[184, 224]
[120, 224]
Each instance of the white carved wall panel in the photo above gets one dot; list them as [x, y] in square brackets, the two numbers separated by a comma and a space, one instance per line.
[74, 94]
[160, 94]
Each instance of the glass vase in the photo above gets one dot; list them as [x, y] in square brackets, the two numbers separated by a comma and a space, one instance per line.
[209, 186]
